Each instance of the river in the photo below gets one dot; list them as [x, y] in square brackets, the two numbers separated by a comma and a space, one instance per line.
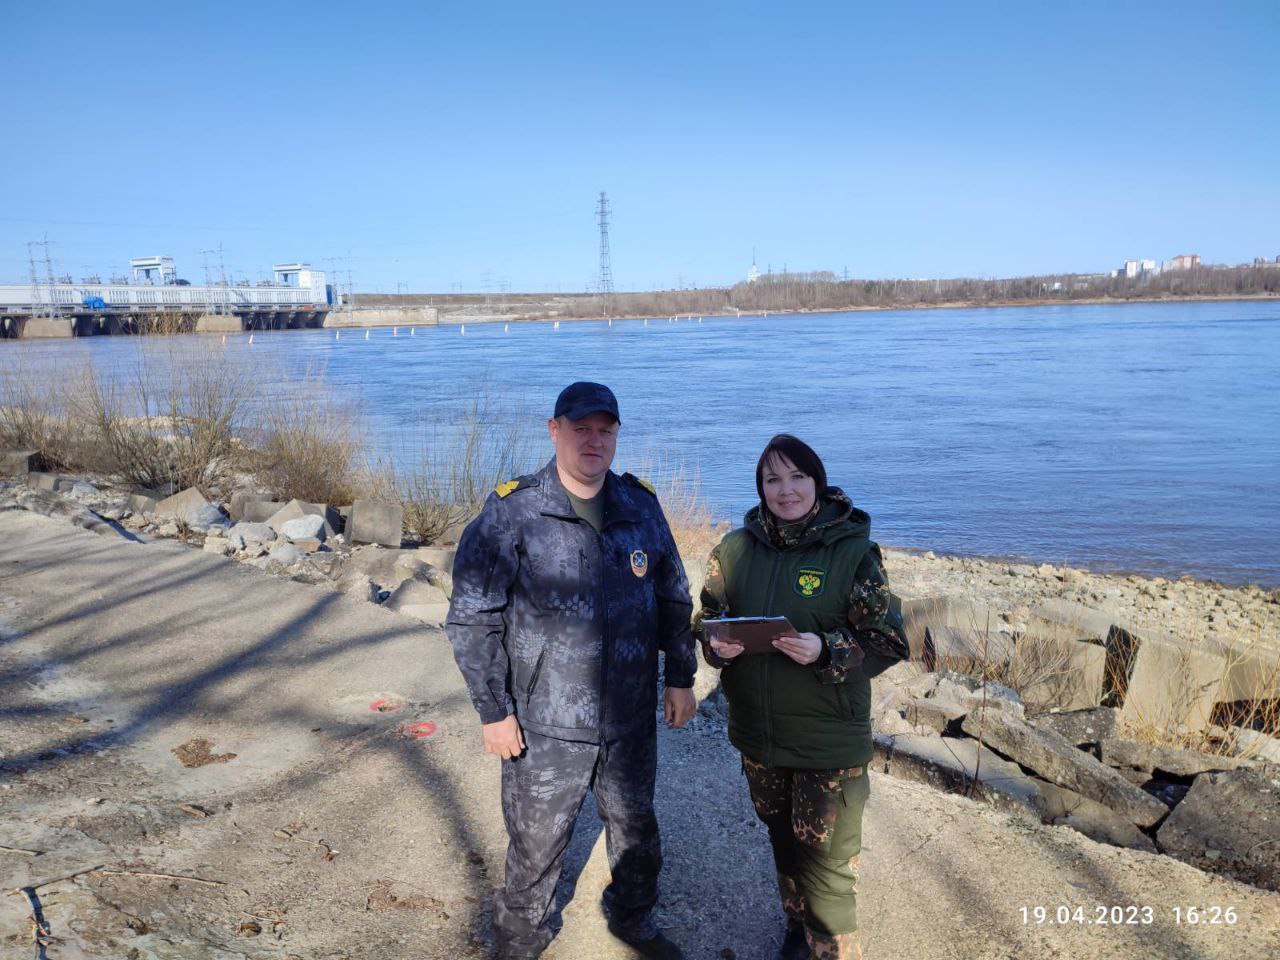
[1139, 437]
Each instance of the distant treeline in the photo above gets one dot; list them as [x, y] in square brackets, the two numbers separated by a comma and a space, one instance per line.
[824, 291]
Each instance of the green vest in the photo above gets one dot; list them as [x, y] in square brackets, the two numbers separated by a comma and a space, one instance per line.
[780, 713]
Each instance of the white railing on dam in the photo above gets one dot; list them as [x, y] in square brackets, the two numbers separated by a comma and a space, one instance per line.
[81, 297]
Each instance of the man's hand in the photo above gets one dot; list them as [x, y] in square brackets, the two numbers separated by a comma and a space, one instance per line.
[678, 706]
[504, 738]
[803, 648]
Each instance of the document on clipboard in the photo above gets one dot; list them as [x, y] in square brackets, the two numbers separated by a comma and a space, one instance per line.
[754, 633]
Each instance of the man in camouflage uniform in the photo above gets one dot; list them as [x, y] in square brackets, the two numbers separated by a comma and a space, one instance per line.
[565, 589]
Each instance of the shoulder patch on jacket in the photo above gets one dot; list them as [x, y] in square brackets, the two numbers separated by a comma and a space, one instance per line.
[511, 486]
[642, 484]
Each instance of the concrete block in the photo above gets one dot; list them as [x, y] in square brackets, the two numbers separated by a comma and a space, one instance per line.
[239, 498]
[376, 521]
[1058, 761]
[1252, 671]
[1251, 744]
[1229, 821]
[260, 511]
[1053, 670]
[966, 650]
[14, 463]
[1075, 620]
[935, 613]
[1169, 686]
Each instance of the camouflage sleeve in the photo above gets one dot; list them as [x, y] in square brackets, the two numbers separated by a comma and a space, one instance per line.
[713, 603]
[483, 571]
[873, 638]
[674, 607]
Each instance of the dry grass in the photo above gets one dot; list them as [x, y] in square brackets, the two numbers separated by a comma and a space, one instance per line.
[443, 474]
[304, 445]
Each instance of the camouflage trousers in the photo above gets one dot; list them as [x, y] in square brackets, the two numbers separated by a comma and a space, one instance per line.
[542, 792]
[814, 819]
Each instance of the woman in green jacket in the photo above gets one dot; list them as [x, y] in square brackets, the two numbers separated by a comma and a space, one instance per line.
[801, 715]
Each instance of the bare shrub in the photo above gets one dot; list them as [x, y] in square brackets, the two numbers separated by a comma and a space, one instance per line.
[36, 414]
[443, 477]
[305, 445]
[168, 418]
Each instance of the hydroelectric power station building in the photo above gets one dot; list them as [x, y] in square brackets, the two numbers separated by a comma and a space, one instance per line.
[155, 300]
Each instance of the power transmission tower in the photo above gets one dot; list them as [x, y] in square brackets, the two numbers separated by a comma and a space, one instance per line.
[38, 307]
[606, 268]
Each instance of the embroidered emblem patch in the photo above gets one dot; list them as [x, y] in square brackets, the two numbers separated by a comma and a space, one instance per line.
[810, 582]
[503, 489]
[639, 563]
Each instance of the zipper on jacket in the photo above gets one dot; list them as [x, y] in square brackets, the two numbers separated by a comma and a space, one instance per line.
[537, 672]
[764, 676]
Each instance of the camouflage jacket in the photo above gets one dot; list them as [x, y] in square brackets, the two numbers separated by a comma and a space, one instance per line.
[832, 583]
[562, 626]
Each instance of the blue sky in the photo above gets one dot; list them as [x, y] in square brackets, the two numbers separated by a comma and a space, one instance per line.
[465, 144]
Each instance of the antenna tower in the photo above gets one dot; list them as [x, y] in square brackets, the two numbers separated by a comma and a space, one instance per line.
[606, 268]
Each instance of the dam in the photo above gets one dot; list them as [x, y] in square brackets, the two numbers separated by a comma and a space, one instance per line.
[153, 299]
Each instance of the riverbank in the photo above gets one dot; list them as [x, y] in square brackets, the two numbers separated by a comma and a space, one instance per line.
[230, 763]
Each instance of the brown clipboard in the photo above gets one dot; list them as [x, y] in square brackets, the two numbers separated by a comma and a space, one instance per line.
[754, 633]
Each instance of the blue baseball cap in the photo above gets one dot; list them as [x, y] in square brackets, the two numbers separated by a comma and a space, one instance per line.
[579, 400]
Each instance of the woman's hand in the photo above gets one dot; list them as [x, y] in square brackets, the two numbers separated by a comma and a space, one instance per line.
[725, 651]
[803, 648]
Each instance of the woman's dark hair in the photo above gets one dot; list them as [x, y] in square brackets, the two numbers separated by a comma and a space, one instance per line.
[799, 453]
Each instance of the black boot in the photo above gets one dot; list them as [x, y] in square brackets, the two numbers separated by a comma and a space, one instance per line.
[655, 947]
[794, 945]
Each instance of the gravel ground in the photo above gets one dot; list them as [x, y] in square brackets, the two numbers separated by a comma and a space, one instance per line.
[331, 833]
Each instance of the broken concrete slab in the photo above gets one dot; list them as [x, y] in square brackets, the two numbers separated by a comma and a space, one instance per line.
[936, 713]
[1146, 758]
[16, 463]
[376, 521]
[958, 766]
[219, 546]
[1058, 761]
[1063, 807]
[1229, 820]
[1252, 671]
[1252, 744]
[926, 613]
[1081, 727]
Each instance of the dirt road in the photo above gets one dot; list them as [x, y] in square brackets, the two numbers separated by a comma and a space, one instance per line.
[328, 826]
